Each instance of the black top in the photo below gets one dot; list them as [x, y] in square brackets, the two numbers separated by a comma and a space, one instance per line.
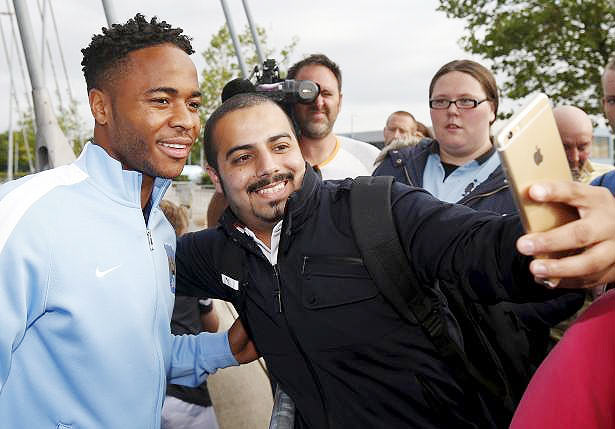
[327, 335]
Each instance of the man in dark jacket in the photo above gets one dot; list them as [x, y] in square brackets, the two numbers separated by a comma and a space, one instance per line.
[285, 256]
[528, 323]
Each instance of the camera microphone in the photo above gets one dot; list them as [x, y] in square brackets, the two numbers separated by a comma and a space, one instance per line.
[237, 86]
[294, 91]
[268, 83]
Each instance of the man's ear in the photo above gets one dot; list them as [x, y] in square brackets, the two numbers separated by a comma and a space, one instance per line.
[99, 106]
[213, 175]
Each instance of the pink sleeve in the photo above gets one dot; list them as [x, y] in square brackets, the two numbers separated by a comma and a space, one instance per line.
[575, 385]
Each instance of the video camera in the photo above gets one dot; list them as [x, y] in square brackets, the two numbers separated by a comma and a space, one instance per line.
[269, 83]
[286, 91]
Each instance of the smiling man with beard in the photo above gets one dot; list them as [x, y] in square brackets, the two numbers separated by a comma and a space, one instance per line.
[256, 197]
[285, 256]
[333, 156]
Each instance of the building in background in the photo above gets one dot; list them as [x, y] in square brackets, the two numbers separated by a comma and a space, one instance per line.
[602, 148]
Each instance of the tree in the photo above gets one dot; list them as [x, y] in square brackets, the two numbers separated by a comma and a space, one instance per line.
[70, 123]
[75, 130]
[221, 66]
[23, 131]
[554, 46]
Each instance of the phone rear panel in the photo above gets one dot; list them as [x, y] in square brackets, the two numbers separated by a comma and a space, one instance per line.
[531, 150]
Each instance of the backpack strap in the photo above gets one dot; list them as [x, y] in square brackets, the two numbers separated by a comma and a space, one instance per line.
[371, 218]
[374, 230]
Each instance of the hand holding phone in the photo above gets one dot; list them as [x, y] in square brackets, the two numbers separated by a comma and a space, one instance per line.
[594, 233]
[531, 151]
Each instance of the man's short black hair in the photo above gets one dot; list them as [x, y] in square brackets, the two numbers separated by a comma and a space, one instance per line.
[107, 50]
[236, 102]
[317, 60]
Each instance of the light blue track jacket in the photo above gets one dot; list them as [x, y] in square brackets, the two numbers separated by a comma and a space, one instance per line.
[86, 295]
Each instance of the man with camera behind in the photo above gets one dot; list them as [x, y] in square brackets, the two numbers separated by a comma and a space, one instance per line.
[329, 336]
[335, 157]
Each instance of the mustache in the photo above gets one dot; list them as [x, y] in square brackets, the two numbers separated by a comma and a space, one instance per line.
[269, 180]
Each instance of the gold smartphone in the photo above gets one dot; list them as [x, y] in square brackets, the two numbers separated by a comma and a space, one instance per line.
[531, 150]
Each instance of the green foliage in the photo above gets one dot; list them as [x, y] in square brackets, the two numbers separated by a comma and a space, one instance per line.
[23, 132]
[221, 66]
[554, 46]
[206, 180]
[74, 129]
[181, 178]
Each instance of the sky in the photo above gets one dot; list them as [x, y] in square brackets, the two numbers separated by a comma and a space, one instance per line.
[387, 50]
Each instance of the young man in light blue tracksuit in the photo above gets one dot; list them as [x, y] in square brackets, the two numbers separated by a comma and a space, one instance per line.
[87, 259]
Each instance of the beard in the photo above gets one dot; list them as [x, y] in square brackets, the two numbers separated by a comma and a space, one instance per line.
[277, 207]
[274, 211]
[134, 153]
[316, 129]
[133, 156]
[274, 216]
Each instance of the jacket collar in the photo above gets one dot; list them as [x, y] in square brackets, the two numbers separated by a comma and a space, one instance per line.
[495, 182]
[413, 159]
[302, 203]
[107, 174]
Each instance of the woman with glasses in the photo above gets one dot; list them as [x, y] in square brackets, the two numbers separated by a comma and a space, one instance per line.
[460, 165]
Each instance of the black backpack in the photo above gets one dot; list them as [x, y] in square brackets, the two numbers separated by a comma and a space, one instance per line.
[477, 343]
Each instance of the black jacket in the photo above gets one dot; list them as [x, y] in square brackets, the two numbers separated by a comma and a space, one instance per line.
[327, 335]
[535, 318]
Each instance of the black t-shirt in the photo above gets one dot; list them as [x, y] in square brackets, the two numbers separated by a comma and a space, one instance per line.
[449, 168]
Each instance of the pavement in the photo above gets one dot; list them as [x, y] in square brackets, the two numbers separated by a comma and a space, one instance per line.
[241, 395]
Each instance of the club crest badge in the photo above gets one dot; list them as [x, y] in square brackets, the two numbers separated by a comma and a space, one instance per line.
[171, 259]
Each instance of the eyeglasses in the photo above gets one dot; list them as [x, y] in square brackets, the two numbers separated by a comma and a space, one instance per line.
[461, 103]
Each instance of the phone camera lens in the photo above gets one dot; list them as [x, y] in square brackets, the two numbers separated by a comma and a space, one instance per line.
[510, 134]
